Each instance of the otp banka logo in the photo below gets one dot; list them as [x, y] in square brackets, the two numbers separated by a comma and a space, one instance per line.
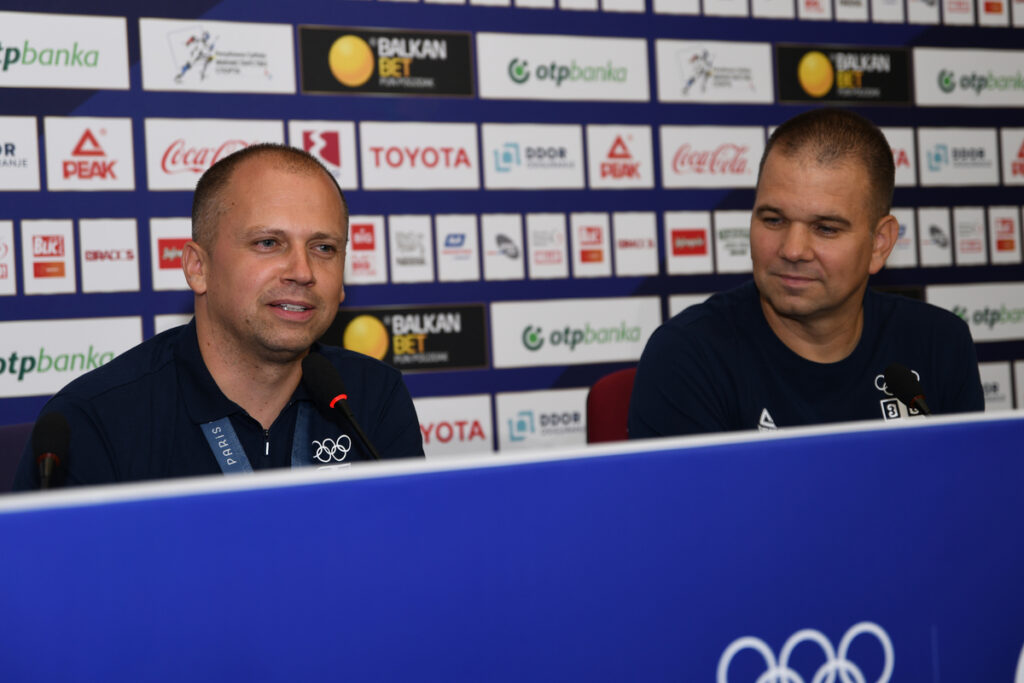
[533, 337]
[335, 450]
[947, 81]
[519, 71]
[836, 660]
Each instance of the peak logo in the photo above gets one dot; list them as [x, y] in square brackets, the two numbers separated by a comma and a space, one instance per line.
[620, 162]
[88, 146]
[89, 153]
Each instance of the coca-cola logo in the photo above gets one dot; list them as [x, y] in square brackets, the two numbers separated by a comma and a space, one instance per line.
[726, 159]
[181, 158]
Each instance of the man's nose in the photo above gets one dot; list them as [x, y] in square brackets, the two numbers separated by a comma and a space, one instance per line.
[796, 244]
[299, 268]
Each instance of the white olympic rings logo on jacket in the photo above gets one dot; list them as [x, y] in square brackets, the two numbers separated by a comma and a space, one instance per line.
[835, 660]
[328, 449]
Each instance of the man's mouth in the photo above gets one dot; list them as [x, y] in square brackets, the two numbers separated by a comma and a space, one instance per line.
[295, 308]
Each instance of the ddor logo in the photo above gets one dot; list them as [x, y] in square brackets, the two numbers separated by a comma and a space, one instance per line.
[836, 661]
[88, 146]
[27, 55]
[421, 157]
[180, 158]
[726, 159]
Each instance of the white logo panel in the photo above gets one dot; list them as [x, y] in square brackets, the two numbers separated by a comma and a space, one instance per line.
[547, 245]
[64, 51]
[110, 254]
[935, 235]
[502, 238]
[418, 156]
[549, 67]
[216, 56]
[8, 273]
[677, 303]
[167, 238]
[904, 253]
[1004, 233]
[710, 156]
[922, 12]
[958, 156]
[520, 156]
[635, 235]
[572, 331]
[365, 258]
[411, 243]
[167, 321]
[887, 11]
[458, 248]
[333, 143]
[19, 153]
[994, 312]
[591, 245]
[48, 256]
[688, 242]
[178, 151]
[541, 419]
[969, 231]
[620, 157]
[714, 71]
[1012, 142]
[84, 153]
[732, 241]
[903, 155]
[456, 426]
[995, 381]
[960, 77]
[958, 12]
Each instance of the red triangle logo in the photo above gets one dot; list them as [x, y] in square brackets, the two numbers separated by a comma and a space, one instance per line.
[88, 146]
[619, 149]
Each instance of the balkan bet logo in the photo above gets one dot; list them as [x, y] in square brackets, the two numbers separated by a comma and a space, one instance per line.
[89, 159]
[619, 163]
[169, 252]
[362, 237]
[48, 247]
[326, 145]
[689, 243]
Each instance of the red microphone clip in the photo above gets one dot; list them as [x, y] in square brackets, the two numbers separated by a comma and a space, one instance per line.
[339, 397]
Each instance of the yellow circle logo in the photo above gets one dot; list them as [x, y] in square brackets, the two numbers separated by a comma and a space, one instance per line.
[351, 61]
[815, 74]
[367, 335]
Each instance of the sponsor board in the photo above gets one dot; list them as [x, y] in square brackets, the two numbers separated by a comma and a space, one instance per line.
[970, 243]
[48, 256]
[541, 419]
[962, 77]
[725, 8]
[904, 253]
[19, 153]
[620, 157]
[550, 67]
[418, 156]
[411, 338]
[922, 12]
[957, 156]
[1004, 234]
[714, 71]
[591, 245]
[732, 241]
[167, 238]
[38, 357]
[994, 311]
[458, 248]
[688, 242]
[178, 151]
[958, 12]
[109, 254]
[547, 246]
[677, 6]
[623, 6]
[502, 239]
[814, 10]
[843, 73]
[520, 156]
[333, 143]
[456, 425]
[710, 156]
[572, 331]
[410, 240]
[368, 61]
[216, 56]
[1018, 381]
[85, 153]
[1012, 142]
[996, 383]
[851, 10]
[904, 157]
[677, 303]
[635, 241]
[772, 9]
[8, 272]
[63, 51]
[167, 321]
[366, 255]
[935, 236]
[887, 11]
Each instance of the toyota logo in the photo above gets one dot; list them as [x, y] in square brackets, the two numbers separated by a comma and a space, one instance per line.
[835, 660]
[329, 449]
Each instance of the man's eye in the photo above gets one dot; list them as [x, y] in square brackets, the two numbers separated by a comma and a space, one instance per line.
[266, 243]
[771, 220]
[326, 248]
[828, 230]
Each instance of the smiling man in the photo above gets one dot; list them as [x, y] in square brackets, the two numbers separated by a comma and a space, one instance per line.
[224, 393]
[807, 342]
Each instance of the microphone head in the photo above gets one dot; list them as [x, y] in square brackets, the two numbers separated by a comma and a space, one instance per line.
[51, 434]
[322, 380]
[902, 383]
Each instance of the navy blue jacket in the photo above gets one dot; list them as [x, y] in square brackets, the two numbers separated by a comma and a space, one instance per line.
[718, 367]
[138, 417]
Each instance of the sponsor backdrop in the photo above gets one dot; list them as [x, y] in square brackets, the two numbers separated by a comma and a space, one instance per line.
[527, 205]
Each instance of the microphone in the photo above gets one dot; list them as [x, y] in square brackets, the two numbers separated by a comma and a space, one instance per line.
[904, 385]
[328, 390]
[51, 437]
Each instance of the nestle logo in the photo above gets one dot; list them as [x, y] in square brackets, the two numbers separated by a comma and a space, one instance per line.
[689, 242]
[112, 255]
[48, 245]
[169, 251]
[726, 159]
[455, 240]
[178, 158]
[362, 237]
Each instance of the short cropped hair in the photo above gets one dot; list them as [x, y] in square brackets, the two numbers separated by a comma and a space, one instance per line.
[206, 205]
[833, 136]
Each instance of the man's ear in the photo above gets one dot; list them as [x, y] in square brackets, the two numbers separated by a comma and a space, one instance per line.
[195, 262]
[886, 233]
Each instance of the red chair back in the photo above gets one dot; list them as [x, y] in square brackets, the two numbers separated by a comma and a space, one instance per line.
[608, 407]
